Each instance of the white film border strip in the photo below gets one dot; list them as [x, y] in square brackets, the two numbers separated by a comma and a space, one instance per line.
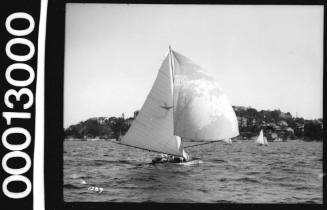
[38, 170]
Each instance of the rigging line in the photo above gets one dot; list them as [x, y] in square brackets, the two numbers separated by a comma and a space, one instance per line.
[202, 144]
[144, 149]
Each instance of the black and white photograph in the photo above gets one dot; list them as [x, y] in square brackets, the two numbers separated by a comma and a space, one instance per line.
[193, 103]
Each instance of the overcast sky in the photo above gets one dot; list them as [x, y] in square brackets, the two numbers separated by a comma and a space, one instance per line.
[266, 57]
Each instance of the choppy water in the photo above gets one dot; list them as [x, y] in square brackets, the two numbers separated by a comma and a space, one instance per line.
[283, 172]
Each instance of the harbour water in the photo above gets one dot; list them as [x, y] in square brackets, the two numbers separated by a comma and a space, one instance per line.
[283, 172]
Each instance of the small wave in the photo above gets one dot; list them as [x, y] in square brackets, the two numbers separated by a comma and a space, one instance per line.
[253, 173]
[121, 181]
[219, 161]
[102, 162]
[302, 188]
[272, 178]
[275, 163]
[300, 164]
[140, 178]
[115, 200]
[288, 170]
[247, 179]
[149, 201]
[128, 187]
[286, 185]
[224, 201]
[230, 167]
[79, 176]
[318, 200]
[310, 202]
[223, 179]
[203, 190]
[181, 173]
[124, 161]
[105, 162]
[71, 186]
[178, 200]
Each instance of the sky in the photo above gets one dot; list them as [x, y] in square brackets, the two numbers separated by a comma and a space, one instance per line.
[263, 56]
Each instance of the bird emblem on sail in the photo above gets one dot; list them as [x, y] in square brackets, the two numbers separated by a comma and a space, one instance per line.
[165, 106]
[196, 108]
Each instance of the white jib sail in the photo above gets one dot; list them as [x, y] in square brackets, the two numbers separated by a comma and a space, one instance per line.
[201, 110]
[260, 139]
[153, 127]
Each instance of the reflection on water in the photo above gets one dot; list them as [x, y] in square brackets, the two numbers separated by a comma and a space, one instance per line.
[283, 172]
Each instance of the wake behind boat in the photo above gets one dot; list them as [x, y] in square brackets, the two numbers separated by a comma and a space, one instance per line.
[184, 103]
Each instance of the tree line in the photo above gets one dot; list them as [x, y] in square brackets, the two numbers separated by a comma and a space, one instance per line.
[276, 124]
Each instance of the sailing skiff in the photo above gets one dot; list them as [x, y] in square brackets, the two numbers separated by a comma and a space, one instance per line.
[261, 140]
[184, 103]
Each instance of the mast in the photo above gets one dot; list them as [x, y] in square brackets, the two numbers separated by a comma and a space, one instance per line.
[171, 62]
[172, 71]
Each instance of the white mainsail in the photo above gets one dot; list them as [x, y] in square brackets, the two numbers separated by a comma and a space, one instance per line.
[184, 102]
[261, 139]
[201, 110]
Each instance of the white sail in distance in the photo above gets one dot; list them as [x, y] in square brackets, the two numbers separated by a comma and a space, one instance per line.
[265, 141]
[261, 139]
[153, 128]
[201, 110]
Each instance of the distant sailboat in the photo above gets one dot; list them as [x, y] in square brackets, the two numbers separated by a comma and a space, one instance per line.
[184, 102]
[261, 140]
